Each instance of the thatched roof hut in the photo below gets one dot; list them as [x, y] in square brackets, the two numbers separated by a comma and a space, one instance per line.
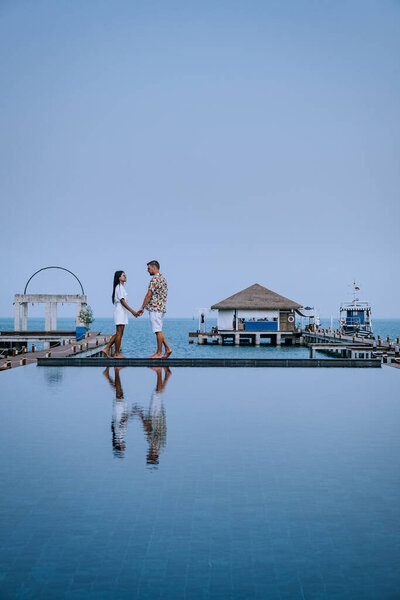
[256, 297]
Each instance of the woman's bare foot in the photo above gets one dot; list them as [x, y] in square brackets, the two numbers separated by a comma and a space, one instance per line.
[156, 355]
[119, 356]
[105, 351]
[167, 353]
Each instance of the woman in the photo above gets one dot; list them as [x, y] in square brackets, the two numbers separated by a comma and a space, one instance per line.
[121, 311]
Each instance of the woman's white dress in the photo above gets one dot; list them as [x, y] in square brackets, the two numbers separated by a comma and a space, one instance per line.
[120, 312]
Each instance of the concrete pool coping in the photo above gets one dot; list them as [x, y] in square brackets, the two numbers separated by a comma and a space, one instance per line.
[208, 362]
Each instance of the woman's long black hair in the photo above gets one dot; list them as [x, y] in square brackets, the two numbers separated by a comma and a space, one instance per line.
[117, 275]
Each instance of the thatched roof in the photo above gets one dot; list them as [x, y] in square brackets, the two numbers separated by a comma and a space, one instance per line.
[257, 297]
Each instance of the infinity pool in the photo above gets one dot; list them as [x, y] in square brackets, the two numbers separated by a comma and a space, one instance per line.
[208, 483]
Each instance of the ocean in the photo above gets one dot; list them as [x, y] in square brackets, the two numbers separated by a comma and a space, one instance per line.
[139, 341]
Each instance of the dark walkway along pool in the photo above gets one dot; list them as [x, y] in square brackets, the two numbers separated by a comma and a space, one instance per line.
[223, 483]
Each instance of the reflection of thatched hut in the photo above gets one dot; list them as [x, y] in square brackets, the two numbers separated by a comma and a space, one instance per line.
[256, 309]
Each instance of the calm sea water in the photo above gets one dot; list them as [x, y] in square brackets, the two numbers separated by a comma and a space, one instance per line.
[140, 341]
[199, 484]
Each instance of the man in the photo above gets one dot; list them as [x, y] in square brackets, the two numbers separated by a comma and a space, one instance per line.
[155, 302]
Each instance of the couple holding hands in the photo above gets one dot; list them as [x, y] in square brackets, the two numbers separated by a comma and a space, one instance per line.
[155, 301]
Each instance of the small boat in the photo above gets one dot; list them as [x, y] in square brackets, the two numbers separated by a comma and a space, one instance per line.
[355, 316]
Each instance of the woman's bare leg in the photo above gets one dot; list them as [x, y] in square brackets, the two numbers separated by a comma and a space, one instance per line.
[118, 339]
[106, 350]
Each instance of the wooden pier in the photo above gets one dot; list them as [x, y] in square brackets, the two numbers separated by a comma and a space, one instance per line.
[388, 351]
[319, 340]
[91, 345]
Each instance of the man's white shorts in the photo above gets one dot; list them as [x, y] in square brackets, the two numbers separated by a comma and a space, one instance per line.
[156, 320]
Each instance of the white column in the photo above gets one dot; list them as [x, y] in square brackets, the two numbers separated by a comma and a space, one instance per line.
[237, 339]
[16, 316]
[53, 316]
[278, 339]
[24, 316]
[47, 317]
[258, 338]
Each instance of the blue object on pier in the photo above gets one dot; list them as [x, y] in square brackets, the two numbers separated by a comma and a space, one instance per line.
[261, 326]
[80, 333]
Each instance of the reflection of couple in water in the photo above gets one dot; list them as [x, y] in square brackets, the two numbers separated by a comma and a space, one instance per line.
[153, 419]
[155, 301]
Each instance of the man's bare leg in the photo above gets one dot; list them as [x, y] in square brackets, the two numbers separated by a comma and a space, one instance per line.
[168, 350]
[158, 354]
[120, 331]
[106, 350]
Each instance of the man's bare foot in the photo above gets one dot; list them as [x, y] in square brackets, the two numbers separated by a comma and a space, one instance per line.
[106, 352]
[119, 356]
[156, 355]
[167, 353]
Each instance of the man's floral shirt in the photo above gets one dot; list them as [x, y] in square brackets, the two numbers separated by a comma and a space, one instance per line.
[159, 289]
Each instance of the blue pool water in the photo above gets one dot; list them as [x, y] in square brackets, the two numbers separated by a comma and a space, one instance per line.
[138, 339]
[220, 484]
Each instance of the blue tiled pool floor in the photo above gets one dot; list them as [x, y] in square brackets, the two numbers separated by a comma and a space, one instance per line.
[208, 483]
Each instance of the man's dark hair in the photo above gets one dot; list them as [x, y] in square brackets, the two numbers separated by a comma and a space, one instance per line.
[154, 263]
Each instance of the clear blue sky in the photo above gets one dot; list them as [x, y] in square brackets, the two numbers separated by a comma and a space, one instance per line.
[236, 142]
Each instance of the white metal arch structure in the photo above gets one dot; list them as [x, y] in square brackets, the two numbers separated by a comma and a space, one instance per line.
[50, 300]
[62, 268]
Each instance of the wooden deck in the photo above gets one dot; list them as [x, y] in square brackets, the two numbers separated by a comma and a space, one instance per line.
[388, 351]
[91, 344]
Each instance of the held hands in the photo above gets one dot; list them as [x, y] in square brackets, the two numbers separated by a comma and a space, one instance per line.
[138, 313]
